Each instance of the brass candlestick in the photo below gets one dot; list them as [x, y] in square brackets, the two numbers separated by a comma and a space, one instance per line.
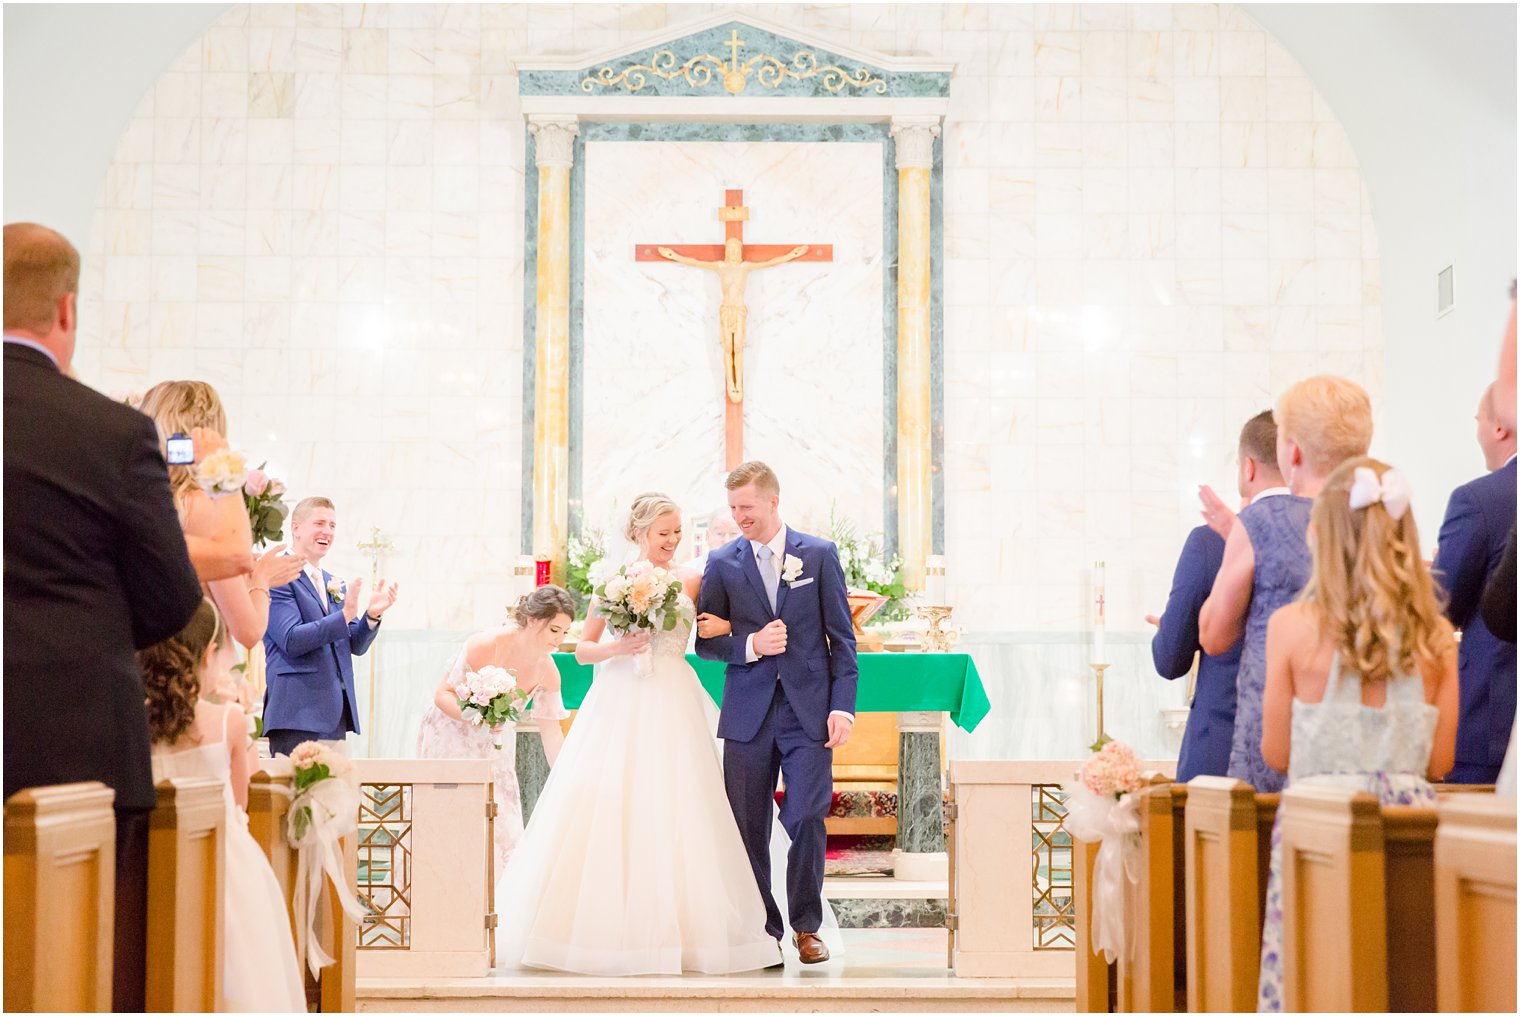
[377, 547]
[936, 639]
[1103, 738]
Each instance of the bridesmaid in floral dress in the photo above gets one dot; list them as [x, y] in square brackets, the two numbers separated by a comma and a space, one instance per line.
[1361, 671]
[541, 620]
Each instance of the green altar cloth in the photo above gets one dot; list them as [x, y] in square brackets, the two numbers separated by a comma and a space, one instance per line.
[889, 683]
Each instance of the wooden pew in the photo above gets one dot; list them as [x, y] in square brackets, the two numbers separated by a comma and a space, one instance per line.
[1358, 903]
[186, 873]
[60, 898]
[1227, 850]
[1150, 981]
[269, 796]
[1474, 873]
[1096, 986]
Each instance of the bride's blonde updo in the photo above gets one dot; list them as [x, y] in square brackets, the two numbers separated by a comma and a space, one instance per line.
[644, 510]
[543, 604]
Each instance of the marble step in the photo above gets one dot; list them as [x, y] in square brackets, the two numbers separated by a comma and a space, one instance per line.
[886, 902]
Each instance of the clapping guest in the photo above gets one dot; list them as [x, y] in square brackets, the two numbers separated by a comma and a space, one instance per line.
[1321, 422]
[1478, 521]
[95, 568]
[1211, 719]
[315, 631]
[201, 740]
[184, 407]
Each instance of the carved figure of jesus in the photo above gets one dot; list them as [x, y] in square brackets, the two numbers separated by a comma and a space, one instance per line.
[733, 274]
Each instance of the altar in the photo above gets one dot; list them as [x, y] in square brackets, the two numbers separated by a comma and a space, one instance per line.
[921, 688]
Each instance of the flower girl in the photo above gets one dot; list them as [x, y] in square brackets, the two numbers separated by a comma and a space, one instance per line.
[1361, 685]
[194, 738]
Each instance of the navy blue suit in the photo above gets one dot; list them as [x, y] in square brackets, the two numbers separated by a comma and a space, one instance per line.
[1211, 723]
[775, 711]
[1478, 521]
[309, 666]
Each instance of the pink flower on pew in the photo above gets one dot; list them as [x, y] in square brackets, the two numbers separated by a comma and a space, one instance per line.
[1112, 772]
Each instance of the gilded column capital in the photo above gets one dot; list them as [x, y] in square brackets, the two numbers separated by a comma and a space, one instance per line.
[555, 137]
[915, 141]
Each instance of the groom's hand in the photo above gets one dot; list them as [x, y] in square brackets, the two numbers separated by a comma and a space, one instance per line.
[839, 731]
[771, 640]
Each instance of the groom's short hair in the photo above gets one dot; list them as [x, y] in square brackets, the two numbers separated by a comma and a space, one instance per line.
[307, 505]
[756, 472]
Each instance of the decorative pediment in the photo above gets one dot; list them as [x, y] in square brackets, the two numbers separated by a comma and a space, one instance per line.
[736, 56]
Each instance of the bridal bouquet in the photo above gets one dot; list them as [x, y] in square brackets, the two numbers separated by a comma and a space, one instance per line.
[639, 595]
[263, 496]
[489, 697]
[1102, 806]
[222, 472]
[325, 809]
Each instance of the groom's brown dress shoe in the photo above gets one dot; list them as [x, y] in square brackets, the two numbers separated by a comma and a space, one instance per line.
[810, 948]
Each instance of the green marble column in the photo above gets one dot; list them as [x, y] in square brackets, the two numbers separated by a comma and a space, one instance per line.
[920, 815]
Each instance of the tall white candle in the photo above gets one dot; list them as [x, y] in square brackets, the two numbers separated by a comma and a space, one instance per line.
[934, 580]
[1099, 611]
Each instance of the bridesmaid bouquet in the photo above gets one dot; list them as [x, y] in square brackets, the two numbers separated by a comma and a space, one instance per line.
[490, 697]
[263, 496]
[222, 472]
[1102, 806]
[639, 595]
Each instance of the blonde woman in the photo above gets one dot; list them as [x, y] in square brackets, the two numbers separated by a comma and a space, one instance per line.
[181, 407]
[1361, 669]
[1321, 422]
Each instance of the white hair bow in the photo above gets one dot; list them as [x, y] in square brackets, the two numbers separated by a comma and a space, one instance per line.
[1393, 490]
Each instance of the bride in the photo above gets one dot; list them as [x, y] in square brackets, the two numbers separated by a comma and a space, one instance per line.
[632, 862]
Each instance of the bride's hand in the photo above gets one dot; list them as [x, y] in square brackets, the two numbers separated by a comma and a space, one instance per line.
[633, 642]
[711, 626]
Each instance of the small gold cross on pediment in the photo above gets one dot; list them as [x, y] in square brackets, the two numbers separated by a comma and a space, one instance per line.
[734, 44]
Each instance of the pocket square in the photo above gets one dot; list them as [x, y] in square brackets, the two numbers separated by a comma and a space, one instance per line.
[798, 584]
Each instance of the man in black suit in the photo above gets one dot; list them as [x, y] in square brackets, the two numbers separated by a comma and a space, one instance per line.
[95, 569]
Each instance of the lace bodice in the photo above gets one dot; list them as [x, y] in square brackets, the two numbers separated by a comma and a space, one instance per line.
[674, 642]
[1339, 735]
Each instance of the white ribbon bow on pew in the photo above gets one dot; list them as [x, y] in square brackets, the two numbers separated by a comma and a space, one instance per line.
[332, 810]
[1116, 825]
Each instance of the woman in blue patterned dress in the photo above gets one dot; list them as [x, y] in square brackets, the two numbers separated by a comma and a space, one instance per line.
[1361, 670]
[1321, 422]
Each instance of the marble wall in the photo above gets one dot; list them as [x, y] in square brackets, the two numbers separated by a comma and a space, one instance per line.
[653, 364]
[1153, 223]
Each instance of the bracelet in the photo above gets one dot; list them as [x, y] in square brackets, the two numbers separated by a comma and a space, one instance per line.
[259, 589]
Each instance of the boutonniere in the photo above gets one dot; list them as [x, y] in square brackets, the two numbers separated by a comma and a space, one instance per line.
[791, 568]
[336, 590]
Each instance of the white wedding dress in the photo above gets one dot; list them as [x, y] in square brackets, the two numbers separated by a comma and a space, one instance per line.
[632, 861]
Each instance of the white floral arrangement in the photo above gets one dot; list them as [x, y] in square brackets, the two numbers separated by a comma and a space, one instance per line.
[1102, 806]
[490, 697]
[791, 568]
[222, 472]
[337, 589]
[639, 595]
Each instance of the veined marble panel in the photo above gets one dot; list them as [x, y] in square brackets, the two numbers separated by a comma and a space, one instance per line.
[653, 368]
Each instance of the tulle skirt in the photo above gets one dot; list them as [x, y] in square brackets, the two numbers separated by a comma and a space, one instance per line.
[632, 862]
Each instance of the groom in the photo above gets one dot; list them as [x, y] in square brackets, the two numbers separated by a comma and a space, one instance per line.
[789, 694]
[315, 630]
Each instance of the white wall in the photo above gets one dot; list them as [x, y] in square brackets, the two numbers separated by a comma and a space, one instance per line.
[73, 75]
[1427, 93]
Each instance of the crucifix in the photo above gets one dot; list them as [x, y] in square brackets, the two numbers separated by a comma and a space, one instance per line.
[733, 260]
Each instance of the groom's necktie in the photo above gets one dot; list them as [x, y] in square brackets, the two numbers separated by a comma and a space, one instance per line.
[768, 573]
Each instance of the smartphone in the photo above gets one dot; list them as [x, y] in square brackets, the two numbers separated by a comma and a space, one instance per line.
[181, 450]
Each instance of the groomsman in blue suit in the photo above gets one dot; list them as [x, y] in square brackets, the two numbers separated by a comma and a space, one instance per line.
[1211, 721]
[1479, 518]
[315, 630]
